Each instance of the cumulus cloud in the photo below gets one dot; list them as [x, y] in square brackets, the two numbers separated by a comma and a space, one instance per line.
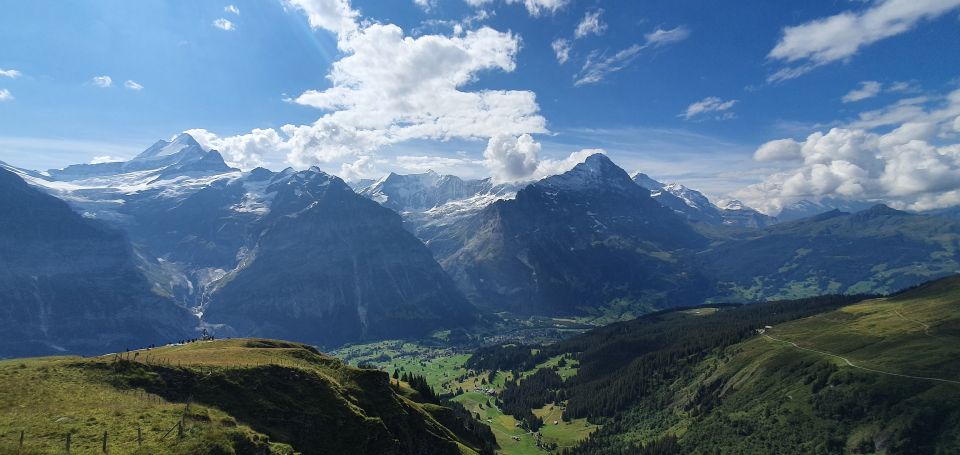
[599, 65]
[867, 89]
[839, 37]
[561, 47]
[916, 165]
[224, 24]
[246, 150]
[5, 95]
[132, 85]
[548, 167]
[778, 150]
[336, 16]
[12, 74]
[708, 105]
[591, 24]
[404, 88]
[511, 158]
[232, 9]
[102, 81]
[517, 158]
[534, 7]
[389, 88]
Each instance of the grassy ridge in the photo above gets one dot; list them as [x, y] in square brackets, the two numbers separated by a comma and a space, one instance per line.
[245, 396]
[791, 389]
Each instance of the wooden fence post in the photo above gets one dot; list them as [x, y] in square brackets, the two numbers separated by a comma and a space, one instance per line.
[139, 437]
[21, 441]
[104, 442]
[68, 443]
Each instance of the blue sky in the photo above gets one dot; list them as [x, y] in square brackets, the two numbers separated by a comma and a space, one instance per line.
[685, 91]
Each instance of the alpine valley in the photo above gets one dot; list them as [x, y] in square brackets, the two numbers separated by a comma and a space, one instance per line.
[300, 255]
[586, 312]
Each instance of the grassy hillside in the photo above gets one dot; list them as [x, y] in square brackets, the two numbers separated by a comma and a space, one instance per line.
[879, 250]
[879, 376]
[232, 396]
[828, 375]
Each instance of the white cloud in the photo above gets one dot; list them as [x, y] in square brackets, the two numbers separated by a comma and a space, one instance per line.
[868, 89]
[591, 24]
[598, 65]
[102, 81]
[916, 165]
[923, 109]
[778, 150]
[427, 5]
[232, 9]
[841, 36]
[517, 158]
[548, 167]
[224, 24]
[534, 7]
[104, 159]
[245, 151]
[561, 47]
[391, 88]
[512, 158]
[661, 37]
[388, 88]
[12, 74]
[903, 87]
[5, 95]
[336, 16]
[408, 87]
[132, 85]
[707, 105]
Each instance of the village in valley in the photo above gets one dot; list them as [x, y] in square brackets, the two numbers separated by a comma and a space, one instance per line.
[444, 369]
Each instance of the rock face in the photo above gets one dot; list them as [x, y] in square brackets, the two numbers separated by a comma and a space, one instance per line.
[330, 266]
[73, 285]
[576, 241]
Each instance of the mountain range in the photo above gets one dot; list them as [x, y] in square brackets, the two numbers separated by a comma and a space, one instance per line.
[300, 254]
[296, 254]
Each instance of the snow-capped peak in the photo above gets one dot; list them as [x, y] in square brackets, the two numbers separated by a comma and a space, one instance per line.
[731, 204]
[594, 172]
[163, 149]
[421, 192]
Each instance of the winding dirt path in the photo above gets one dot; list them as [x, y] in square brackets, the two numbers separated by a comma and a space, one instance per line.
[926, 327]
[848, 362]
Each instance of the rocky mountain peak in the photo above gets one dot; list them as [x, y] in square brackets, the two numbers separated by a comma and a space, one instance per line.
[596, 172]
